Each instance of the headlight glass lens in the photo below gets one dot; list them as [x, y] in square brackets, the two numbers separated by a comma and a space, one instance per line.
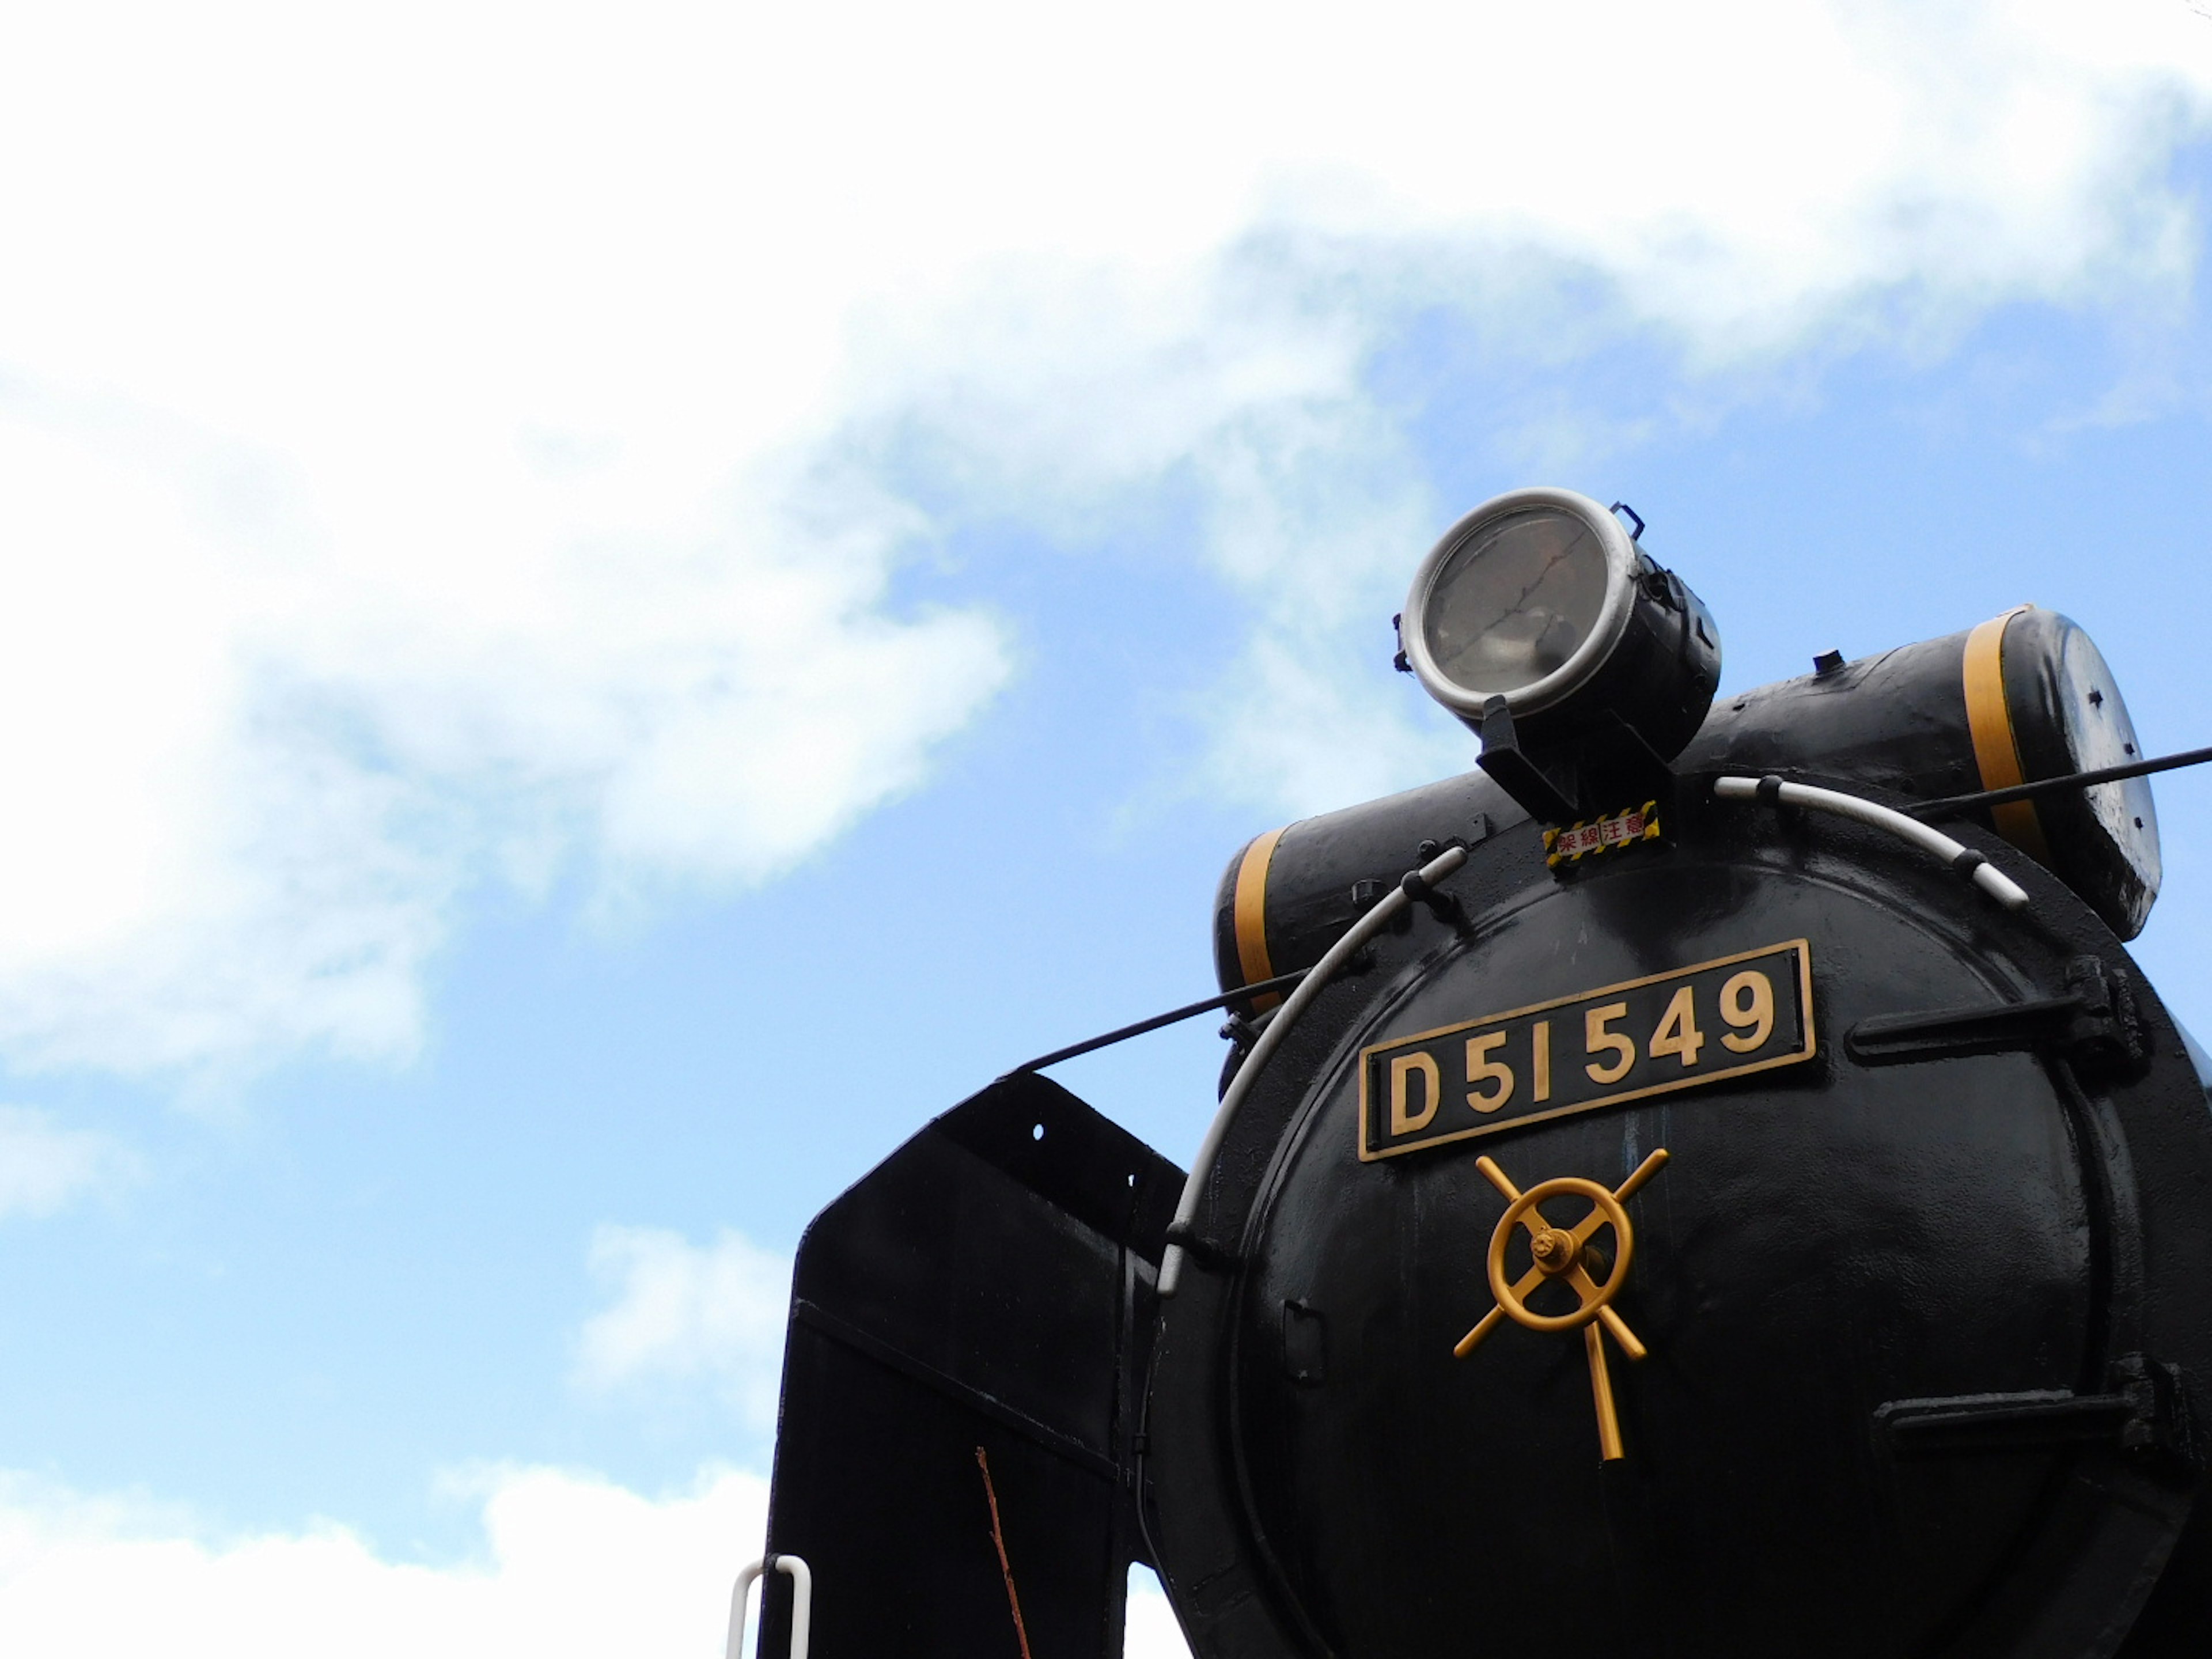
[1512, 603]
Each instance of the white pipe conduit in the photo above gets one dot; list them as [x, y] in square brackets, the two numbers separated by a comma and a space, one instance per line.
[1301, 999]
[1984, 875]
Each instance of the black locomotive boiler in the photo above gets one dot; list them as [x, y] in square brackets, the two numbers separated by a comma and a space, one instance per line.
[1711, 1181]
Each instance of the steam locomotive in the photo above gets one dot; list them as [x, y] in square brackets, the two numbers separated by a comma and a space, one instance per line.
[1709, 1181]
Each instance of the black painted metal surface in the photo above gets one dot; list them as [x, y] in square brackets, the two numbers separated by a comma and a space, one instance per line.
[2071, 719]
[1929, 1330]
[988, 1287]
[1928, 1299]
[1894, 722]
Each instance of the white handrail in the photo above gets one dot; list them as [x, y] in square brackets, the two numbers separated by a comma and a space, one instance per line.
[802, 1602]
[1376, 919]
[1983, 874]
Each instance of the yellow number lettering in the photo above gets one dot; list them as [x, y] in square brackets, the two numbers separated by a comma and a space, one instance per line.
[1678, 1032]
[1597, 1040]
[1748, 999]
[1539, 1062]
[1481, 1068]
[1402, 1068]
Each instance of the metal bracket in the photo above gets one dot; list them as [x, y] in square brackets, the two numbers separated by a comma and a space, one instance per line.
[1185, 1237]
[2144, 1415]
[1513, 769]
[1441, 905]
[1368, 893]
[1600, 768]
[2095, 1025]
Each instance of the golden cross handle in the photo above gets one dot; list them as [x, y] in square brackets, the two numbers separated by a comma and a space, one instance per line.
[1563, 1260]
[1609, 1448]
[1558, 1254]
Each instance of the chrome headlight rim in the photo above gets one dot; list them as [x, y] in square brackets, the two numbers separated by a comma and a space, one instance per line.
[1582, 665]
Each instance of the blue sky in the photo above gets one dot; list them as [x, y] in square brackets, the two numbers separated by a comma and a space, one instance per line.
[609, 608]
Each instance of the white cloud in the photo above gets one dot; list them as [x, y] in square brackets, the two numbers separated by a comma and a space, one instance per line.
[687, 1314]
[470, 443]
[575, 1569]
[44, 1168]
[260, 759]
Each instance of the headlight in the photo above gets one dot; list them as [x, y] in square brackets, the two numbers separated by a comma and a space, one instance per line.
[1541, 598]
[1519, 601]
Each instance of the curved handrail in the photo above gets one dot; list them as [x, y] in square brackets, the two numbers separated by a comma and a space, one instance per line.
[802, 1602]
[1376, 919]
[1969, 863]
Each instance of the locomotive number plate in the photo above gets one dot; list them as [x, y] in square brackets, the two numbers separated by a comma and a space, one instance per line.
[1747, 1012]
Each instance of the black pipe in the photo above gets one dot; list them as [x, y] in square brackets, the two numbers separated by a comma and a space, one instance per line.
[1281, 981]
[1951, 805]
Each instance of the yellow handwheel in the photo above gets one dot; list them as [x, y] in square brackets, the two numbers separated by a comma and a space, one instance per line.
[1558, 1252]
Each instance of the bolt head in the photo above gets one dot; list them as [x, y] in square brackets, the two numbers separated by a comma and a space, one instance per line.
[1555, 1250]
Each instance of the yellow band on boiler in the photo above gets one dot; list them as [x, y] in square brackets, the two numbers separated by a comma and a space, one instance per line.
[1252, 915]
[1996, 751]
